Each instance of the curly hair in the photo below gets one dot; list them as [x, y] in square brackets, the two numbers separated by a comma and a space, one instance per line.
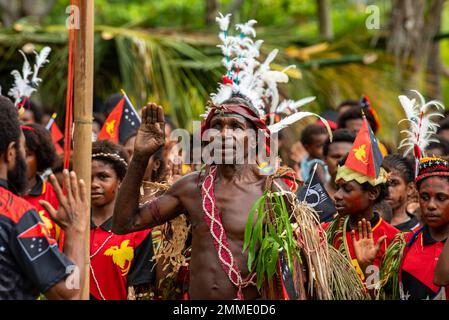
[38, 140]
[9, 124]
[401, 164]
[310, 131]
[339, 135]
[113, 154]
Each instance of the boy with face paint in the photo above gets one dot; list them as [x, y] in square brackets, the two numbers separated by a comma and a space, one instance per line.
[423, 251]
[401, 187]
[117, 261]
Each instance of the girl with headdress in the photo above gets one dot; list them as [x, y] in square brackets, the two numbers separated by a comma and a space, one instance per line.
[116, 261]
[425, 246]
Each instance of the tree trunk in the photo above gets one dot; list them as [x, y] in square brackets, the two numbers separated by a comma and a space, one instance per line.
[14, 10]
[211, 11]
[324, 19]
[413, 25]
[11, 12]
[235, 6]
[434, 67]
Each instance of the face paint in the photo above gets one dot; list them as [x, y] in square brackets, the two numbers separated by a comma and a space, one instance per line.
[434, 201]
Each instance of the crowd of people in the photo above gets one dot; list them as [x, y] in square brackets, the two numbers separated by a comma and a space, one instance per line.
[155, 203]
[162, 227]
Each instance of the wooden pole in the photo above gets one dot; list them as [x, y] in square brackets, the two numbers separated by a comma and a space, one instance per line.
[83, 99]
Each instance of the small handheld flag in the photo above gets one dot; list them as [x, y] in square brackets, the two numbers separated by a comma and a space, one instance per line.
[365, 156]
[315, 195]
[56, 134]
[121, 122]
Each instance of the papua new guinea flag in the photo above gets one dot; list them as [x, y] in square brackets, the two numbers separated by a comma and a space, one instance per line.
[56, 134]
[365, 156]
[121, 122]
[316, 196]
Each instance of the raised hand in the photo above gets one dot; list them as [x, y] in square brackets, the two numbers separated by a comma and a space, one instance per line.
[150, 136]
[73, 212]
[365, 248]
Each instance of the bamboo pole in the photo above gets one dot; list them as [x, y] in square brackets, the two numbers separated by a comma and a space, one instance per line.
[83, 99]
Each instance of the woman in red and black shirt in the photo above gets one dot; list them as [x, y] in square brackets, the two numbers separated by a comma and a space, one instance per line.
[424, 248]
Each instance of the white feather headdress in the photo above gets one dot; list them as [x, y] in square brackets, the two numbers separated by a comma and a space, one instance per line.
[254, 79]
[422, 125]
[27, 81]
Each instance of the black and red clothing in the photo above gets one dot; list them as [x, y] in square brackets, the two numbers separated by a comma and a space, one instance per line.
[30, 262]
[411, 225]
[43, 190]
[418, 268]
[119, 261]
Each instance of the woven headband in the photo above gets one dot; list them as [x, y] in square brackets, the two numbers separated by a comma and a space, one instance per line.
[431, 167]
[112, 156]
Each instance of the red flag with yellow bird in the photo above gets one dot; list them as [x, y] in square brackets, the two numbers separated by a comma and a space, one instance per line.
[365, 156]
[121, 122]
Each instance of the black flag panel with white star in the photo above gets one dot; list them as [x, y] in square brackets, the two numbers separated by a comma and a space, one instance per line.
[316, 196]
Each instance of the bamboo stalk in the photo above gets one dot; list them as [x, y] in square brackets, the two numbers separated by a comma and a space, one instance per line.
[83, 97]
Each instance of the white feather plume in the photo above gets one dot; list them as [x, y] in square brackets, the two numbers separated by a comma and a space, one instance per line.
[422, 126]
[223, 21]
[41, 59]
[23, 86]
[296, 117]
[252, 78]
[26, 68]
[247, 28]
[293, 105]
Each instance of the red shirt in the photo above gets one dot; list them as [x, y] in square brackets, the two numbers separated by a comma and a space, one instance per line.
[418, 268]
[379, 228]
[43, 190]
[118, 261]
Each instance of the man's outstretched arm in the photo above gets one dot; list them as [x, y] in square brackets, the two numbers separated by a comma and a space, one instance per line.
[128, 216]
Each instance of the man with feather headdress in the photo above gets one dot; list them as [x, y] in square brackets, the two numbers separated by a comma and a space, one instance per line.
[245, 245]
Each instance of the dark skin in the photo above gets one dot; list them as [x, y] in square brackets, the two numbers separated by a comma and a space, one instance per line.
[335, 154]
[31, 168]
[104, 187]
[354, 124]
[398, 193]
[351, 199]
[27, 117]
[72, 216]
[434, 203]
[235, 184]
